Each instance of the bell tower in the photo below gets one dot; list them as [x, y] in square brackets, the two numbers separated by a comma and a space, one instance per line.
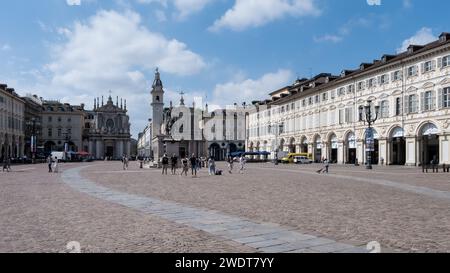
[157, 104]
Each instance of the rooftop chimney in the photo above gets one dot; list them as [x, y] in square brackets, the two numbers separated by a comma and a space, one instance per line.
[413, 48]
[444, 37]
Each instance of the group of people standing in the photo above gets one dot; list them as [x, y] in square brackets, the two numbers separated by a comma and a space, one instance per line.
[7, 164]
[53, 164]
[195, 164]
[242, 161]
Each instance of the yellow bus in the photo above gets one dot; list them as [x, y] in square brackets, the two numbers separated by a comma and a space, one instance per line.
[290, 157]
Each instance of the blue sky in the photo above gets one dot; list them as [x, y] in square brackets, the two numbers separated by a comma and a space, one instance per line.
[223, 50]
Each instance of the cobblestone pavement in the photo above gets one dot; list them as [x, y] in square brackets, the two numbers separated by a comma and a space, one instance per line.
[265, 237]
[401, 208]
[336, 206]
[38, 213]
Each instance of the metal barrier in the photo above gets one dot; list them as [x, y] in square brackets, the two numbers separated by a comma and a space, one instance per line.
[435, 168]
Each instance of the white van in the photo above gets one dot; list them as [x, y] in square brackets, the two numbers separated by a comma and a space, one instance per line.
[60, 155]
[302, 160]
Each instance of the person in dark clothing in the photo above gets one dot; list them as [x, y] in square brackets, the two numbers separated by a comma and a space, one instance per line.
[174, 163]
[49, 162]
[165, 164]
[193, 161]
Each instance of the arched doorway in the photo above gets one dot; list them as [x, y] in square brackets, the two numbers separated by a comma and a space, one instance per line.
[429, 143]
[374, 151]
[334, 145]
[49, 146]
[216, 152]
[281, 147]
[398, 146]
[72, 147]
[3, 154]
[318, 149]
[350, 144]
[304, 145]
[232, 148]
[292, 145]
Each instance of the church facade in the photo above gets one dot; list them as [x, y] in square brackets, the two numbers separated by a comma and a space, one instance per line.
[183, 130]
[107, 130]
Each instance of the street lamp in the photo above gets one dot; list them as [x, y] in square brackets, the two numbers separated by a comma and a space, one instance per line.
[33, 139]
[278, 128]
[366, 115]
[66, 144]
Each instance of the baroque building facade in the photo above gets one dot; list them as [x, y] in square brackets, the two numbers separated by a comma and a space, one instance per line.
[12, 107]
[62, 126]
[320, 116]
[144, 142]
[107, 130]
[183, 130]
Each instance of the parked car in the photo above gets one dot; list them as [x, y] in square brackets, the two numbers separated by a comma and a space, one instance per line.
[302, 160]
[289, 158]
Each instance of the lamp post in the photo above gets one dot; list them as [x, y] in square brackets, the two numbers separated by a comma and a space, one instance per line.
[366, 115]
[66, 144]
[278, 129]
[33, 139]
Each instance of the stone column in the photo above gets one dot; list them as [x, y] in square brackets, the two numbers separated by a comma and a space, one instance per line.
[411, 151]
[341, 153]
[128, 147]
[325, 150]
[444, 147]
[22, 147]
[99, 150]
[361, 152]
[382, 150]
[419, 151]
[91, 147]
[118, 150]
[389, 152]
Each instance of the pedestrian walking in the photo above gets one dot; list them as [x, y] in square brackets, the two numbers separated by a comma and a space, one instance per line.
[327, 165]
[174, 163]
[242, 162]
[49, 162]
[185, 166]
[125, 161]
[193, 161]
[165, 164]
[230, 164]
[6, 164]
[212, 166]
[325, 168]
[56, 165]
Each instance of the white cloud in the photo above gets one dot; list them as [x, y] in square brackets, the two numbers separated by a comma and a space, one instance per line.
[5, 47]
[250, 89]
[422, 37]
[184, 8]
[328, 38]
[113, 51]
[374, 2]
[160, 16]
[73, 2]
[254, 13]
[407, 3]
[189, 7]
